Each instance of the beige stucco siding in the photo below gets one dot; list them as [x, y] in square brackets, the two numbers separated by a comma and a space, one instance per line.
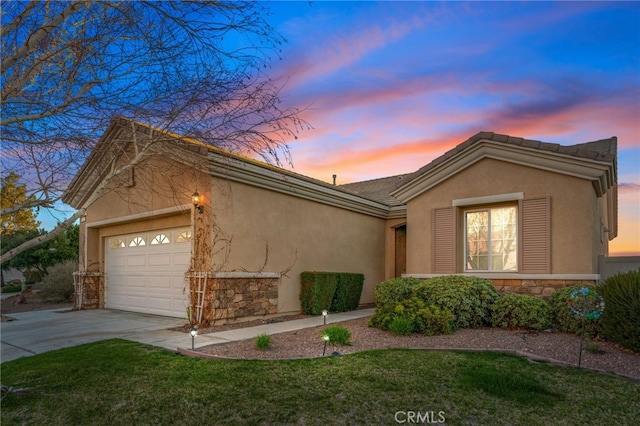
[159, 198]
[268, 231]
[572, 212]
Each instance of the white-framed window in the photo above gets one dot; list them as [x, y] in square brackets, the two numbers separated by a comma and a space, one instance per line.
[118, 243]
[137, 242]
[183, 237]
[160, 239]
[491, 239]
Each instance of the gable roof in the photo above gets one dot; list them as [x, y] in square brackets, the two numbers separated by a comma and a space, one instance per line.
[595, 161]
[220, 163]
[384, 197]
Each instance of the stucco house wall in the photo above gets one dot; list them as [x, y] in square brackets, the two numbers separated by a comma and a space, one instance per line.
[571, 212]
[274, 232]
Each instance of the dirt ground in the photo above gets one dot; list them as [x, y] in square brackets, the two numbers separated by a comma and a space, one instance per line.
[32, 302]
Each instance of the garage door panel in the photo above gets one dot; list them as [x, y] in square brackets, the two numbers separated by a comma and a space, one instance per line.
[161, 259]
[136, 260]
[148, 278]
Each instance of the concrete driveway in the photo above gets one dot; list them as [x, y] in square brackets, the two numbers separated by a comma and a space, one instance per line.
[41, 331]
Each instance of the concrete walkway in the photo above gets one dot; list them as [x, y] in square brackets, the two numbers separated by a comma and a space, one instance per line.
[41, 331]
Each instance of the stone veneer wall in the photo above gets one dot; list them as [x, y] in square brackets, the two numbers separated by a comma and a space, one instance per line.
[232, 298]
[541, 288]
[88, 290]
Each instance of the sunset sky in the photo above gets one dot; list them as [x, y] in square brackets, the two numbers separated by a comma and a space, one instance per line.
[389, 86]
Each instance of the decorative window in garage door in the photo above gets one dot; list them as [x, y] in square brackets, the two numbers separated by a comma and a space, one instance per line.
[137, 241]
[160, 239]
[184, 237]
[118, 243]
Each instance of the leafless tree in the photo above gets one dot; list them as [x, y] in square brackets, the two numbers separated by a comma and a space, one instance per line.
[194, 68]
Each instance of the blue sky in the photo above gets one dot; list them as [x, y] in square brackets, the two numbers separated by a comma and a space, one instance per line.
[389, 86]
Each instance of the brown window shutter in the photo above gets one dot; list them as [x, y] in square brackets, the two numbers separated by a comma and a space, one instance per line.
[444, 245]
[535, 236]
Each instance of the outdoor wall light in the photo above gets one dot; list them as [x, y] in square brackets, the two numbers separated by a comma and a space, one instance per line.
[193, 332]
[196, 199]
[324, 316]
[325, 337]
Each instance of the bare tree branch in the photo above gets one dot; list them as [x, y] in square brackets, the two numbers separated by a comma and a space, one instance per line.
[41, 239]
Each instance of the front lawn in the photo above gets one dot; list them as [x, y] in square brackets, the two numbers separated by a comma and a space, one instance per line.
[120, 382]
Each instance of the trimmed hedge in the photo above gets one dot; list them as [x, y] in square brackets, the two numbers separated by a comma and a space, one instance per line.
[334, 291]
[621, 317]
[348, 292]
[562, 318]
[470, 299]
[521, 311]
[316, 291]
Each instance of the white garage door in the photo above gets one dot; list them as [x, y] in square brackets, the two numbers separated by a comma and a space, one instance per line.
[145, 272]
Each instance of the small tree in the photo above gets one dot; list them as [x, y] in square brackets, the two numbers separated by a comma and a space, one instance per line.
[13, 194]
[193, 68]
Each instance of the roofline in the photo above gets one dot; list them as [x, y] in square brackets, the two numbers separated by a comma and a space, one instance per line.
[597, 167]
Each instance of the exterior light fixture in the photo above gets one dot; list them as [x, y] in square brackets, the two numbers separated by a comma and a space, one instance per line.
[193, 332]
[325, 337]
[196, 199]
[324, 316]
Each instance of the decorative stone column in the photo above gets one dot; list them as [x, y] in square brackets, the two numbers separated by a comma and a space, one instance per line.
[88, 290]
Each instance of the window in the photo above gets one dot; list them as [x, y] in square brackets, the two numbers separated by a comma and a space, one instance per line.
[137, 241]
[160, 239]
[491, 239]
[116, 244]
[184, 237]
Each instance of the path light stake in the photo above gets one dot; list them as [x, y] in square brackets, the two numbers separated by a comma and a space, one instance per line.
[325, 337]
[586, 304]
[194, 331]
[324, 316]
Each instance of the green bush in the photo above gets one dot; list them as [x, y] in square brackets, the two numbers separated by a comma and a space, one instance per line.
[401, 325]
[427, 319]
[57, 285]
[564, 320]
[12, 288]
[521, 311]
[337, 334]
[470, 299]
[621, 317]
[394, 290]
[316, 291]
[348, 292]
[432, 320]
[263, 342]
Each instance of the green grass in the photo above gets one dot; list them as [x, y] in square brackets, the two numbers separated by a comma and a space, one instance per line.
[118, 382]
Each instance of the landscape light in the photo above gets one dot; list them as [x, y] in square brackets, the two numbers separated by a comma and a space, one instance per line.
[324, 316]
[325, 337]
[194, 331]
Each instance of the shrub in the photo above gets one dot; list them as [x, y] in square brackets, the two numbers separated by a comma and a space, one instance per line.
[564, 320]
[348, 292]
[57, 285]
[521, 311]
[469, 299]
[401, 325]
[394, 291]
[12, 288]
[621, 317]
[432, 320]
[338, 334]
[427, 319]
[263, 342]
[316, 291]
